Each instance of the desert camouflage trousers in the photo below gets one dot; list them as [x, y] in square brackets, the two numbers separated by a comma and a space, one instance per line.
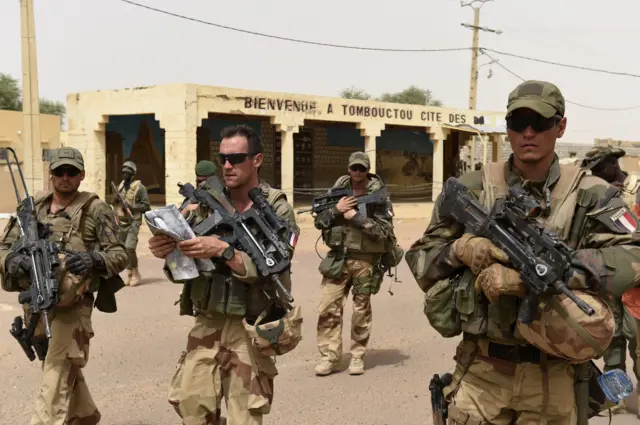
[221, 362]
[128, 236]
[331, 308]
[64, 398]
[624, 336]
[498, 392]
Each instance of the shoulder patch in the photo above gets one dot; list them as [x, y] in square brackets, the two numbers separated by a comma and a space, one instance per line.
[624, 220]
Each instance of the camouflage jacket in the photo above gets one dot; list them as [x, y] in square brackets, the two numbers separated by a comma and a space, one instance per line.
[377, 229]
[609, 234]
[97, 228]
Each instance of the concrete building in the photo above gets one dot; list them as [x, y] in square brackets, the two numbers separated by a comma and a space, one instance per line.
[307, 139]
[11, 130]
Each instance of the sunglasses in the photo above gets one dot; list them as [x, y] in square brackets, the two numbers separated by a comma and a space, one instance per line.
[358, 167]
[233, 158]
[69, 171]
[538, 123]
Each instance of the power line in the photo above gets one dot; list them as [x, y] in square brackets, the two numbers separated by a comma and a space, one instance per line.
[379, 49]
[566, 100]
[584, 68]
[295, 40]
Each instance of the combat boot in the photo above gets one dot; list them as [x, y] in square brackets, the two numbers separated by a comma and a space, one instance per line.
[356, 366]
[325, 367]
[135, 277]
[129, 275]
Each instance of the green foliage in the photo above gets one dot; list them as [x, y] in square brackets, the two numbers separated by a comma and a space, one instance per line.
[412, 95]
[11, 98]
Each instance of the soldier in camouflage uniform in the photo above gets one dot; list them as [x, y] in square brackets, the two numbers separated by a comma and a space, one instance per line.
[204, 169]
[501, 377]
[357, 244]
[86, 227]
[603, 163]
[135, 196]
[220, 360]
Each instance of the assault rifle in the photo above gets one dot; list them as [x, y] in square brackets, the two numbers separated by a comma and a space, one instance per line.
[43, 293]
[542, 258]
[332, 197]
[123, 204]
[267, 247]
[439, 407]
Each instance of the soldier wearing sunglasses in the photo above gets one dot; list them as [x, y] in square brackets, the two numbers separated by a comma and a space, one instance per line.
[86, 228]
[507, 372]
[603, 161]
[356, 245]
[220, 361]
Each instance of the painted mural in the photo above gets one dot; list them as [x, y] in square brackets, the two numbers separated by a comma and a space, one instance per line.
[140, 139]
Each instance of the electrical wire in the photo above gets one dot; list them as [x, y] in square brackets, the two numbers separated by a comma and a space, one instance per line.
[295, 40]
[627, 108]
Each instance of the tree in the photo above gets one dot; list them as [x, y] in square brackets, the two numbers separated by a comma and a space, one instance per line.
[11, 98]
[355, 93]
[412, 95]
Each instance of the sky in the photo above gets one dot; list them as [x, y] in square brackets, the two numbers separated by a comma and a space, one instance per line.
[86, 45]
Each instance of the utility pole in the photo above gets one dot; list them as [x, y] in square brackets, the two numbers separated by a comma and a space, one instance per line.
[31, 140]
[473, 85]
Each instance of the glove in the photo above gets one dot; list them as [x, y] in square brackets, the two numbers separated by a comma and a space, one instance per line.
[477, 253]
[17, 265]
[498, 280]
[82, 263]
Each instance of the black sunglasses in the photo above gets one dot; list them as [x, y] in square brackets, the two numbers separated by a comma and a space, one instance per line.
[233, 158]
[358, 167]
[69, 171]
[538, 123]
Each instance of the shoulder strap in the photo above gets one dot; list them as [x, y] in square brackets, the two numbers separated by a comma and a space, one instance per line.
[494, 181]
[570, 176]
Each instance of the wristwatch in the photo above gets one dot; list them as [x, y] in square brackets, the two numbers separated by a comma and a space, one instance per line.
[228, 253]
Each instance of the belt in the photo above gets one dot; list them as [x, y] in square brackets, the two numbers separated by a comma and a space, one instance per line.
[517, 353]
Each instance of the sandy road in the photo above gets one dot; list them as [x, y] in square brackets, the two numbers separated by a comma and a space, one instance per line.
[134, 352]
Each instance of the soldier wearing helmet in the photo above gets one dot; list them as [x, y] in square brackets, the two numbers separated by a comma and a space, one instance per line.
[603, 162]
[537, 373]
[130, 218]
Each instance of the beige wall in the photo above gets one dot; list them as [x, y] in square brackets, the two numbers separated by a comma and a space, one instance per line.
[11, 124]
[180, 109]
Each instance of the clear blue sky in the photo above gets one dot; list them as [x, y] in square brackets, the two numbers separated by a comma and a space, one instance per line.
[90, 45]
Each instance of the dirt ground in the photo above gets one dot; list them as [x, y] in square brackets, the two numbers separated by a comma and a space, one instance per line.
[134, 352]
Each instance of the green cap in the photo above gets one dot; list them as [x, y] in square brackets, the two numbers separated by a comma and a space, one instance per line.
[205, 169]
[541, 96]
[66, 156]
[359, 158]
[600, 153]
[131, 166]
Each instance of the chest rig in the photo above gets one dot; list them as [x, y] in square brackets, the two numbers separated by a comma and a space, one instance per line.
[498, 320]
[130, 198]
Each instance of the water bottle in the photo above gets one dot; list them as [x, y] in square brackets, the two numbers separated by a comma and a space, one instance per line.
[616, 385]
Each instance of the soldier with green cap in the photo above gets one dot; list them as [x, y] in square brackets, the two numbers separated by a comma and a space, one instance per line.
[85, 226]
[602, 161]
[204, 169]
[357, 244]
[507, 371]
[137, 201]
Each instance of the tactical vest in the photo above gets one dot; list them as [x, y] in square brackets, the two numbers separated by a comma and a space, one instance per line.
[129, 197]
[353, 239]
[497, 321]
[213, 294]
[66, 229]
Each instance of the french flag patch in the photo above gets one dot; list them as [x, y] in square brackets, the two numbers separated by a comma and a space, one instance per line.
[293, 239]
[625, 221]
[390, 212]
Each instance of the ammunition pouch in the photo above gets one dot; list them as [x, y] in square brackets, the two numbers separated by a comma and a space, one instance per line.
[334, 237]
[368, 284]
[186, 304]
[332, 265]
